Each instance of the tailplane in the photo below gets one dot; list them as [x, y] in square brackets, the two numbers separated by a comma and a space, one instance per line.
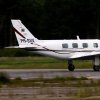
[23, 35]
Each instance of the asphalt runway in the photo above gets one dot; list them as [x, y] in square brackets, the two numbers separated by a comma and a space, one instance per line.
[49, 73]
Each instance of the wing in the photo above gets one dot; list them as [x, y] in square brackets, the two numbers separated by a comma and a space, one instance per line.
[84, 54]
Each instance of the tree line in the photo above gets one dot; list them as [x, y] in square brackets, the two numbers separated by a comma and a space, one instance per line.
[50, 19]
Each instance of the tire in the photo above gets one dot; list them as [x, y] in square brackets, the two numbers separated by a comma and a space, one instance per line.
[96, 68]
[71, 67]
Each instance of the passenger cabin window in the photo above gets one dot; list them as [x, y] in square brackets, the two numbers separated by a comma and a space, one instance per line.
[85, 45]
[65, 45]
[95, 45]
[75, 45]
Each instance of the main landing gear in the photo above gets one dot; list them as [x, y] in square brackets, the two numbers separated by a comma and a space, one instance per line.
[71, 67]
[96, 64]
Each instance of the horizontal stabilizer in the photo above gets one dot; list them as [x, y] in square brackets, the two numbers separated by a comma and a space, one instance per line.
[12, 47]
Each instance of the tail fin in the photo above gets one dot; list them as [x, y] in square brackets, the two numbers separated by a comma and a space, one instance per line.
[24, 36]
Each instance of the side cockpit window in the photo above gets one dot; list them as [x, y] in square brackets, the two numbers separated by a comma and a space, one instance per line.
[65, 45]
[95, 45]
[85, 45]
[75, 45]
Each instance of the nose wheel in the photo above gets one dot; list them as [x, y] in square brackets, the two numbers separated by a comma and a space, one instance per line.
[71, 67]
[96, 68]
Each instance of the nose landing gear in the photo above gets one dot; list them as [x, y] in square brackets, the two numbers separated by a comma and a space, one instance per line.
[96, 66]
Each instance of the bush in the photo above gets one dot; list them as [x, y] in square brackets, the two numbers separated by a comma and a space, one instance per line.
[4, 78]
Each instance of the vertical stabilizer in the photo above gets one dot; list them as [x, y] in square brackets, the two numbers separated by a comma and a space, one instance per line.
[23, 35]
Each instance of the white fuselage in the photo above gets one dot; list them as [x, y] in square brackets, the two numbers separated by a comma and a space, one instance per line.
[67, 49]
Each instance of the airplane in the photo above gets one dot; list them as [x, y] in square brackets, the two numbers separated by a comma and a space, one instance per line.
[62, 49]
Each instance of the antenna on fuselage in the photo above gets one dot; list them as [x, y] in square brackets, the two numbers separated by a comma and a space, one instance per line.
[78, 37]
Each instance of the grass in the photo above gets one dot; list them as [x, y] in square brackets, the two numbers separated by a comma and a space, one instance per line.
[39, 63]
[80, 91]
[79, 88]
[53, 82]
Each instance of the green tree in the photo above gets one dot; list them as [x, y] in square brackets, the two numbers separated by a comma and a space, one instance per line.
[51, 19]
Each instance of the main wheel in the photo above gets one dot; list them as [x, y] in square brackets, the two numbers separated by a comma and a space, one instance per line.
[71, 67]
[96, 68]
